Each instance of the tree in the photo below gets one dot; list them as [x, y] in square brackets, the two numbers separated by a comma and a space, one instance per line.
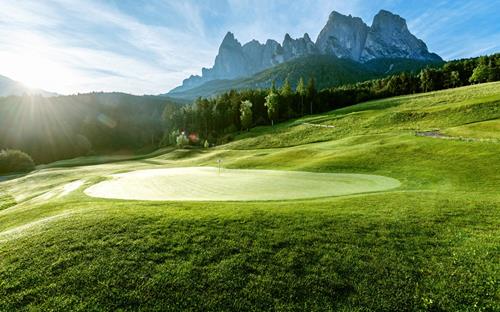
[272, 102]
[454, 79]
[286, 89]
[169, 112]
[204, 111]
[301, 91]
[311, 93]
[182, 140]
[246, 114]
[12, 161]
[431, 79]
[273, 86]
[480, 74]
[285, 100]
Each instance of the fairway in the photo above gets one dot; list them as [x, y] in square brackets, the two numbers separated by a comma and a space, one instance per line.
[207, 184]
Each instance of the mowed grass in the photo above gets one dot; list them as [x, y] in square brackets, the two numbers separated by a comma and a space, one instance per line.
[431, 244]
[485, 130]
[220, 184]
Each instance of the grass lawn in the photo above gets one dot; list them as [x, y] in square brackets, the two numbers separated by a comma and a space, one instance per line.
[433, 243]
[218, 184]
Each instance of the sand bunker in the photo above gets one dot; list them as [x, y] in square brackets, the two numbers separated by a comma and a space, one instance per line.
[206, 184]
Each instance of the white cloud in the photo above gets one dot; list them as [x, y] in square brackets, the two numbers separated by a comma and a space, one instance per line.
[70, 46]
[36, 52]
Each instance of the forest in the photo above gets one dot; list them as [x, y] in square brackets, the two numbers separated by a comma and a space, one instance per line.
[54, 128]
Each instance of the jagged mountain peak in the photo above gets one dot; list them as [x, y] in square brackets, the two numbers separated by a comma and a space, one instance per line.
[389, 37]
[230, 41]
[228, 37]
[385, 19]
[344, 36]
[335, 15]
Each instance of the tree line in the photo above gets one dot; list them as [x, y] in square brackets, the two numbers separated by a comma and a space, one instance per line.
[216, 119]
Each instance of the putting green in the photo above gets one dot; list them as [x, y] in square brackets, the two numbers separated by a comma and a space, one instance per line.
[206, 184]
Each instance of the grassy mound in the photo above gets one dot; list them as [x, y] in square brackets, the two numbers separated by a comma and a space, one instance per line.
[431, 244]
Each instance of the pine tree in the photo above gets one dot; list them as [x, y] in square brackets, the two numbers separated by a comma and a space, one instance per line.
[286, 89]
[246, 114]
[311, 93]
[285, 100]
[301, 91]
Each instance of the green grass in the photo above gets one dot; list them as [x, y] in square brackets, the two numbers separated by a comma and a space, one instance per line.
[6, 201]
[432, 244]
[220, 184]
[484, 129]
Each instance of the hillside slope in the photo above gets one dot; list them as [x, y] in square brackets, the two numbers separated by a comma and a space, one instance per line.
[327, 71]
[431, 244]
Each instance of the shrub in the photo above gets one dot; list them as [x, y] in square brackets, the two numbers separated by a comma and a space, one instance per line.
[182, 140]
[15, 161]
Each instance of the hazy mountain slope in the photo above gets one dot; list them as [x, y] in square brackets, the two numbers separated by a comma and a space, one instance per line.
[10, 87]
[328, 71]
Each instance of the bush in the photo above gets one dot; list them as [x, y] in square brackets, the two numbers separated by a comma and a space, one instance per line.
[15, 161]
[182, 140]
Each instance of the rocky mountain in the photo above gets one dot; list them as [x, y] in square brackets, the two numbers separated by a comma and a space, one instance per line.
[10, 87]
[389, 37]
[236, 61]
[344, 37]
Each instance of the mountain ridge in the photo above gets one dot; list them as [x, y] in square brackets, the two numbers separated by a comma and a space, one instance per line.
[343, 36]
[328, 71]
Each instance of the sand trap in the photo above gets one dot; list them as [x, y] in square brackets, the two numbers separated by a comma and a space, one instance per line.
[71, 187]
[205, 184]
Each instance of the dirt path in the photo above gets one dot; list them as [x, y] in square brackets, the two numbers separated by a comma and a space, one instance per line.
[438, 135]
[317, 125]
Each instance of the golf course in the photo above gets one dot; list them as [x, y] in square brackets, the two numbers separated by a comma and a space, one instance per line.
[209, 184]
[387, 205]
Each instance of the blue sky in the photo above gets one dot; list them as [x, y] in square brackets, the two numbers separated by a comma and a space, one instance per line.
[150, 46]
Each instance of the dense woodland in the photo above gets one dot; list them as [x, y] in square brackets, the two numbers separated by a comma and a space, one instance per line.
[216, 119]
[63, 127]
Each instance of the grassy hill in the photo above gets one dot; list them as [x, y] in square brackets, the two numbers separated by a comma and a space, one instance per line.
[431, 244]
[328, 71]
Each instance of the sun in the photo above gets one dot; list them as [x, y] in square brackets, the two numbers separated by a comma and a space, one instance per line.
[36, 70]
[39, 72]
